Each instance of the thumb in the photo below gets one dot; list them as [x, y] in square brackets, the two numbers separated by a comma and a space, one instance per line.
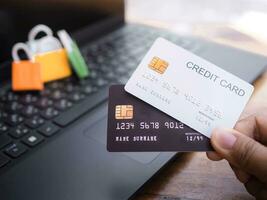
[241, 151]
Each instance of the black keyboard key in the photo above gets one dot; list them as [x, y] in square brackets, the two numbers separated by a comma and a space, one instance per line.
[4, 140]
[111, 75]
[55, 85]
[19, 131]
[3, 128]
[9, 96]
[29, 111]
[33, 139]
[124, 79]
[122, 70]
[44, 102]
[3, 160]
[75, 112]
[35, 122]
[103, 69]
[13, 119]
[2, 115]
[57, 94]
[100, 59]
[69, 88]
[88, 89]
[130, 65]
[49, 113]
[75, 97]
[101, 82]
[28, 99]
[48, 129]
[83, 82]
[45, 92]
[13, 106]
[110, 53]
[63, 104]
[15, 150]
[2, 105]
[93, 75]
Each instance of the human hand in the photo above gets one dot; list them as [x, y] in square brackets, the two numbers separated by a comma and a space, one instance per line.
[245, 148]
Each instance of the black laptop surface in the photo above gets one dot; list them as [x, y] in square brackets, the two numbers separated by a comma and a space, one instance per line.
[69, 160]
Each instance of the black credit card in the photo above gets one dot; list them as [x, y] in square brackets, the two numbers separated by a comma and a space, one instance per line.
[135, 126]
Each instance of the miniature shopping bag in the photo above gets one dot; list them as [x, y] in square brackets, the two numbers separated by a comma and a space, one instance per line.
[49, 52]
[26, 74]
[77, 61]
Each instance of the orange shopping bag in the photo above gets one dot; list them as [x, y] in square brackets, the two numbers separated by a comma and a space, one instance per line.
[26, 74]
[49, 53]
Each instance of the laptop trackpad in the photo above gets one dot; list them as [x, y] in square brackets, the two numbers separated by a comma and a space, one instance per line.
[98, 132]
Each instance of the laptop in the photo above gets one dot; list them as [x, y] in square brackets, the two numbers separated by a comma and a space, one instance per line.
[53, 142]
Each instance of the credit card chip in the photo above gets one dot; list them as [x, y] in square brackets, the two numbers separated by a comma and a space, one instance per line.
[124, 112]
[158, 65]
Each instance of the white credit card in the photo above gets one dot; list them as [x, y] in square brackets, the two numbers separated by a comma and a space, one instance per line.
[189, 88]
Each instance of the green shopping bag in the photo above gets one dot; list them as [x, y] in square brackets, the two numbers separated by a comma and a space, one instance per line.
[78, 63]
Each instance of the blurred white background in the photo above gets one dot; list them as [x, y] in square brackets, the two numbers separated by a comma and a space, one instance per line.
[240, 23]
[181, 15]
[191, 11]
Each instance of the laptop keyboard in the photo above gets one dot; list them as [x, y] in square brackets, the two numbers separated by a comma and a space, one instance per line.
[30, 119]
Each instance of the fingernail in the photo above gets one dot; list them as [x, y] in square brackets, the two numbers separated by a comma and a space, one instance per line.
[224, 138]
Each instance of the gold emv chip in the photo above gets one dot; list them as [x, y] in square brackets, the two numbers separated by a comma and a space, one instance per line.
[124, 112]
[158, 65]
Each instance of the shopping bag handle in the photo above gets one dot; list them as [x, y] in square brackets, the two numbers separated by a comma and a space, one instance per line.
[21, 46]
[38, 29]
